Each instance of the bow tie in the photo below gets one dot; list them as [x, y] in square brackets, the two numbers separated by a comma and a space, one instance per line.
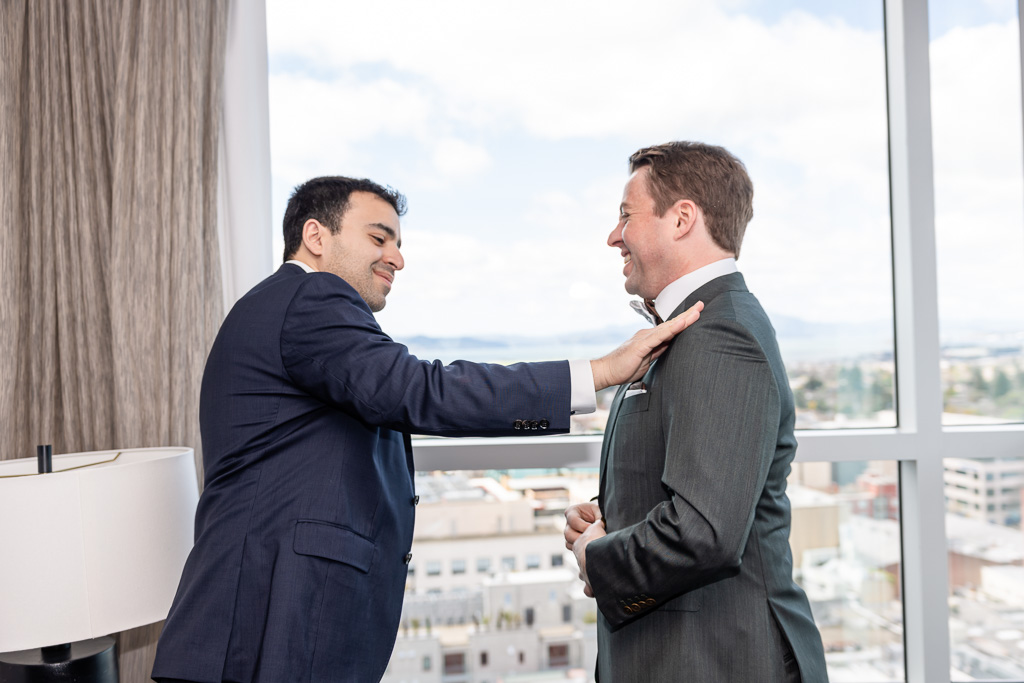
[647, 310]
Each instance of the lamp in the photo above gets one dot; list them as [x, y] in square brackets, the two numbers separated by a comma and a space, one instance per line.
[94, 548]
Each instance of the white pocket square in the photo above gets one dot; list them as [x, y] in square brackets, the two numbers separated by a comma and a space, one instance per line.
[635, 389]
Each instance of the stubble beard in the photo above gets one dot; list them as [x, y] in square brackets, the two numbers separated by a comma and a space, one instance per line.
[363, 281]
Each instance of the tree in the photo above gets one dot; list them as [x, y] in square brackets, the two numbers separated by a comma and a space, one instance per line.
[978, 381]
[1002, 385]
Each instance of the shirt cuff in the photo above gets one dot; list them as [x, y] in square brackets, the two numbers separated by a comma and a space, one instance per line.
[582, 399]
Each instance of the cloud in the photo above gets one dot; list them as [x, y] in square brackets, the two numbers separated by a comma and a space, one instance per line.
[452, 89]
[456, 285]
[979, 181]
[580, 69]
[456, 158]
[318, 125]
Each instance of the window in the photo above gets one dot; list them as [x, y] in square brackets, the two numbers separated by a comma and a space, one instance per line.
[458, 566]
[463, 136]
[976, 114]
[426, 663]
[986, 576]
[433, 568]
[954, 195]
[566, 614]
[558, 656]
[557, 560]
[483, 658]
[454, 663]
[533, 561]
[483, 565]
[508, 563]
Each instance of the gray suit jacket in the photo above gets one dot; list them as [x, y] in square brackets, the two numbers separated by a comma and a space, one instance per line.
[694, 580]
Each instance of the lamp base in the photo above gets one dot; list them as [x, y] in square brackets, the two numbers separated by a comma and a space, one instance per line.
[87, 661]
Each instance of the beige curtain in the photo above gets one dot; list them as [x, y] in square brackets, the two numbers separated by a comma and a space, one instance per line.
[109, 268]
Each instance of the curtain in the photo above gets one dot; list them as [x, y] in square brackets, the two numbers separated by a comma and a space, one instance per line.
[110, 291]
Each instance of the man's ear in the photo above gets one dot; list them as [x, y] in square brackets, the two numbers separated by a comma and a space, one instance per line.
[312, 236]
[685, 213]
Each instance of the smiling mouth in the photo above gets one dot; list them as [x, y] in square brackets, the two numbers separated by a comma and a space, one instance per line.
[384, 276]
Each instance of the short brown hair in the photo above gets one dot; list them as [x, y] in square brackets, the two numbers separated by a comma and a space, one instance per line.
[709, 176]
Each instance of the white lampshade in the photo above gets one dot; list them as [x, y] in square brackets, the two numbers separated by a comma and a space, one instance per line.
[89, 552]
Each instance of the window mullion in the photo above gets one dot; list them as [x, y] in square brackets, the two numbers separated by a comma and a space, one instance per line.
[918, 381]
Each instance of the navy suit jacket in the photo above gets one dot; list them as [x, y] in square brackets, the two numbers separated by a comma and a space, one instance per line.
[304, 525]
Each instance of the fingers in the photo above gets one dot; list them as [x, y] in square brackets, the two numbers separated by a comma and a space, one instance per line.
[671, 328]
[664, 332]
[577, 523]
[570, 536]
[692, 313]
[577, 519]
[585, 513]
[587, 590]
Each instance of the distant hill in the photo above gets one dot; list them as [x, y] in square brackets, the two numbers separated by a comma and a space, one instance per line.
[800, 340]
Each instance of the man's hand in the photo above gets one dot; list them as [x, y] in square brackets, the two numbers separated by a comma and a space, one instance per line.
[630, 361]
[577, 518]
[579, 549]
[583, 523]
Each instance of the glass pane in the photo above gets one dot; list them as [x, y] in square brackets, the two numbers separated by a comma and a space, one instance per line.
[845, 541]
[847, 557]
[979, 208]
[508, 125]
[986, 568]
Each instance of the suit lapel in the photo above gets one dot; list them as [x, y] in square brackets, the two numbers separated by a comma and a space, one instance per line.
[606, 445]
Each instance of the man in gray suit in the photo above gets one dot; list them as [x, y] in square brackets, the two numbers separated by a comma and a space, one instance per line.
[687, 549]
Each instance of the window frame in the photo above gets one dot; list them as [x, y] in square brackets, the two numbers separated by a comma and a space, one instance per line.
[919, 443]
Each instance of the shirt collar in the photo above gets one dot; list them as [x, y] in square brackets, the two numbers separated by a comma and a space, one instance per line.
[676, 292]
[302, 264]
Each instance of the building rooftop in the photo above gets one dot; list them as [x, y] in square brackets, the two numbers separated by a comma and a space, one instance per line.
[984, 540]
[534, 576]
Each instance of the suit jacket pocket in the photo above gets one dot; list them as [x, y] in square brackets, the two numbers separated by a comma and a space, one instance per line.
[333, 542]
[687, 602]
[635, 404]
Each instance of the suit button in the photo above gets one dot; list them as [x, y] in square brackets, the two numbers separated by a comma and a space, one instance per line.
[415, 500]
[408, 558]
[649, 602]
[544, 424]
[533, 424]
[518, 424]
[636, 607]
[628, 609]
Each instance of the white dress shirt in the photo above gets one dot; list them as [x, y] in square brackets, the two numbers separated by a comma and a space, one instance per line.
[676, 292]
[582, 399]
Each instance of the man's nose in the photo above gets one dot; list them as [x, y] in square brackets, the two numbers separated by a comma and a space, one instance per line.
[394, 258]
[615, 238]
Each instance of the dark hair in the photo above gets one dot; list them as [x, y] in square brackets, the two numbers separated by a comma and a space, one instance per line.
[709, 176]
[326, 200]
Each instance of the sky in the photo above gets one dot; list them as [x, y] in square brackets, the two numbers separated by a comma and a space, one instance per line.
[508, 126]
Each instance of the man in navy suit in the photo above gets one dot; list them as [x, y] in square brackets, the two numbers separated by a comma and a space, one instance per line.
[304, 527]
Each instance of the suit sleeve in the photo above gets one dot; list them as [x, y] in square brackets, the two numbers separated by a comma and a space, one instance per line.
[720, 417]
[332, 348]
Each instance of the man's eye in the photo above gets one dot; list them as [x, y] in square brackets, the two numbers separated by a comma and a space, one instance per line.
[378, 240]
